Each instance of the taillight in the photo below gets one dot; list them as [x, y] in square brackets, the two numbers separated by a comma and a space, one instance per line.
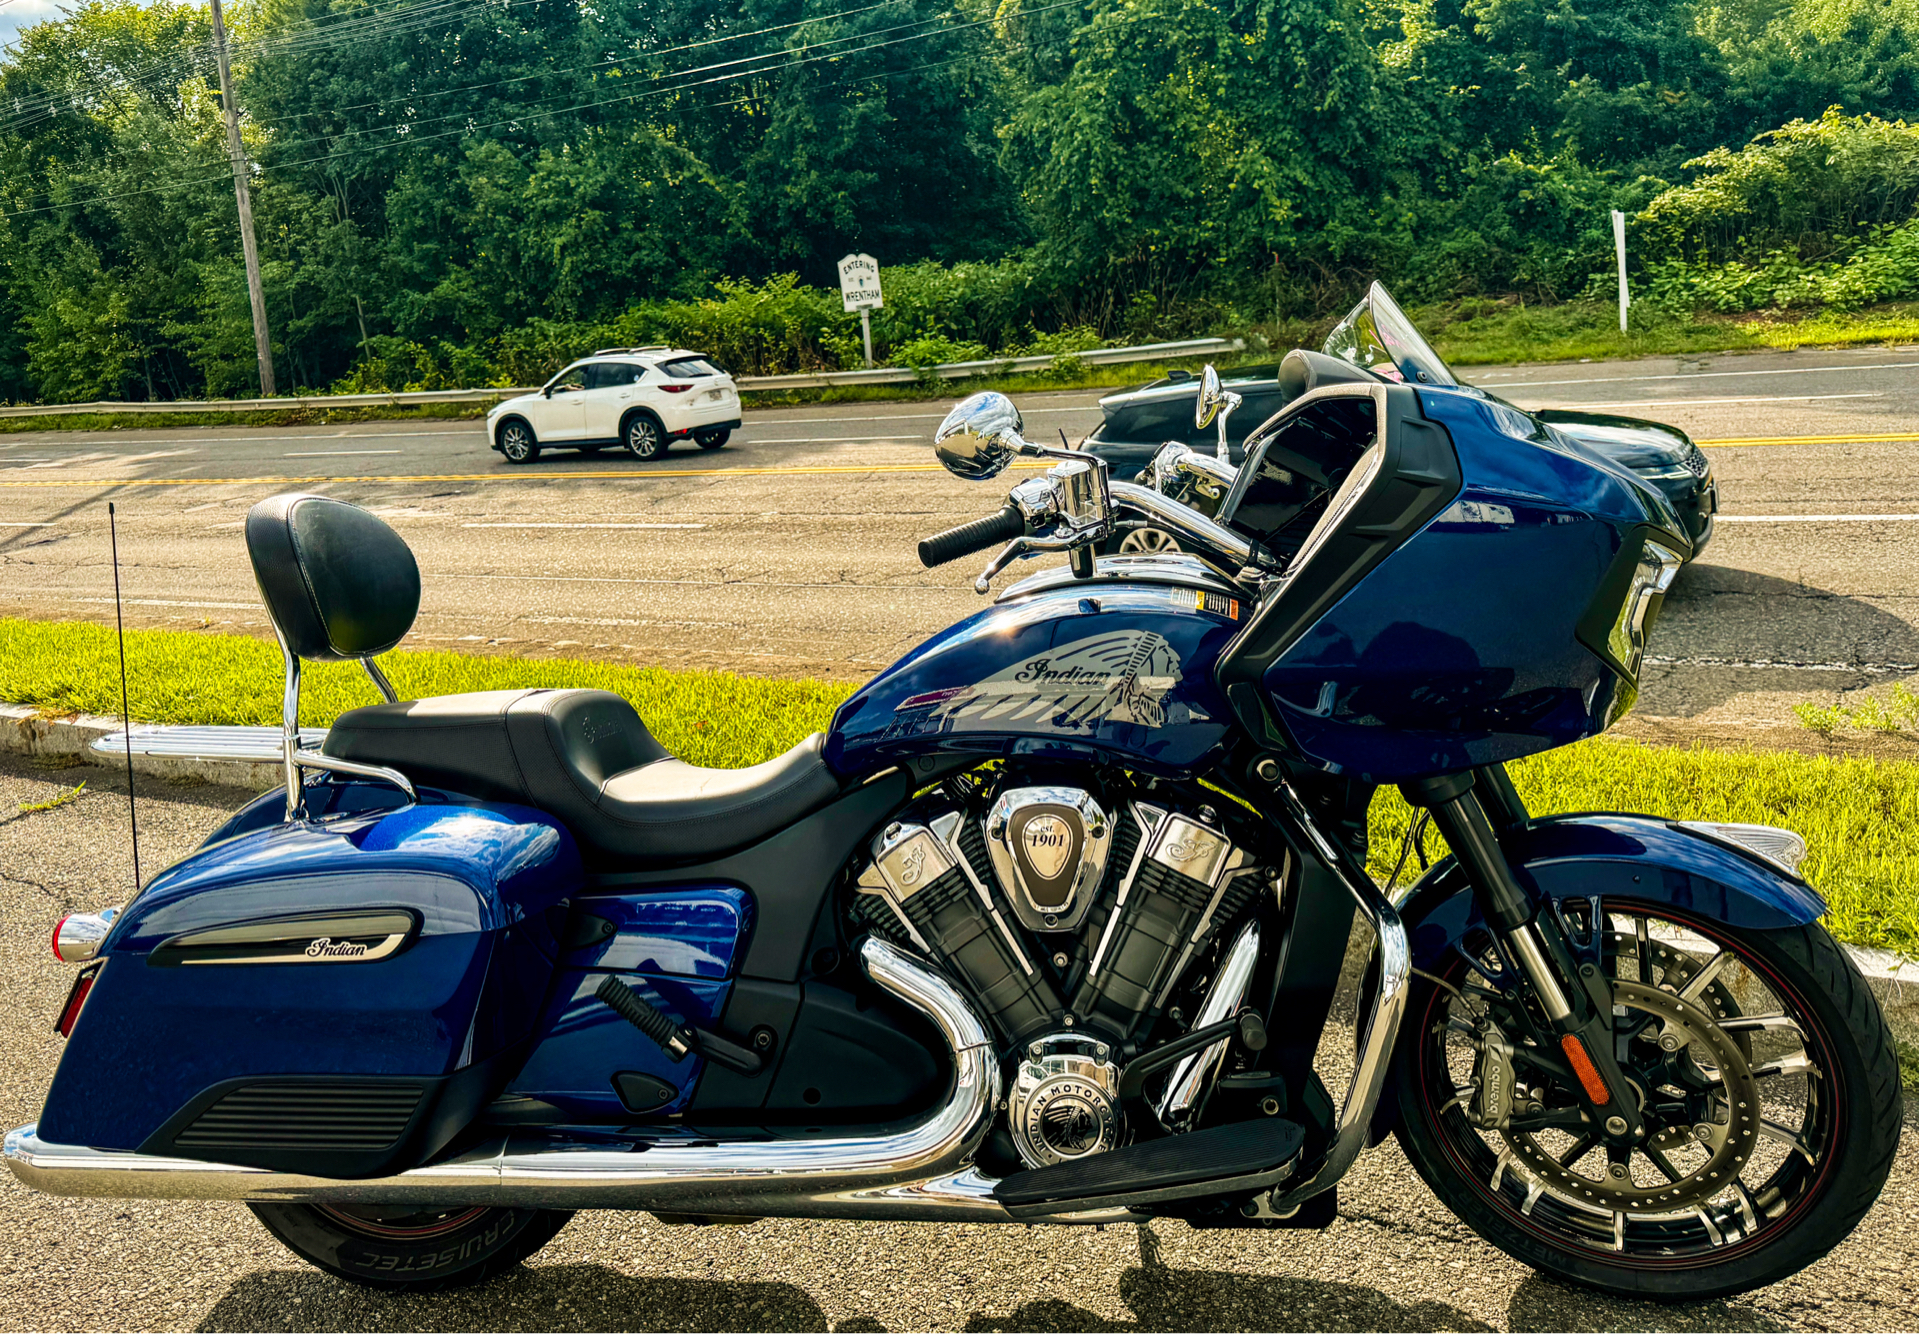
[77, 999]
[676, 388]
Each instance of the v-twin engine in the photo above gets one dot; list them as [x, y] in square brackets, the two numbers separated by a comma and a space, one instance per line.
[1086, 928]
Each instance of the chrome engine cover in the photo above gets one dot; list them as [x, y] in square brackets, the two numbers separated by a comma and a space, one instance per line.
[1064, 1100]
[1048, 846]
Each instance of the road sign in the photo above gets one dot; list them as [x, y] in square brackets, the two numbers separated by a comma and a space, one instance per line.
[860, 283]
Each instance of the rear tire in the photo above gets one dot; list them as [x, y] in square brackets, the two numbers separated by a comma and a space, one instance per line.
[645, 439]
[711, 439]
[409, 1250]
[1848, 1152]
[518, 443]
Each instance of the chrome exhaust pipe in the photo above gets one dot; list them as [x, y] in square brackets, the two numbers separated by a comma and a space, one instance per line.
[922, 1171]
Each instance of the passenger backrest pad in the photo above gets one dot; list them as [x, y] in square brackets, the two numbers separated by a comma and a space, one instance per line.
[338, 582]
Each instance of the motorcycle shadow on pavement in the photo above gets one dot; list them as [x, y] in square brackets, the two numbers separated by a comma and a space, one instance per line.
[1164, 1298]
[1159, 1297]
[533, 1297]
[1726, 632]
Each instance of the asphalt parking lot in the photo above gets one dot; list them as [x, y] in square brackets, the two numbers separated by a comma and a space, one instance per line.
[1395, 1260]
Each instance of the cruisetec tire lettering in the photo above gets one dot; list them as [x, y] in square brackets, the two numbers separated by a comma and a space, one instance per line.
[420, 1251]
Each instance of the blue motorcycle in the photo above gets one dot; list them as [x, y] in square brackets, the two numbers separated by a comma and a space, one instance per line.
[1047, 929]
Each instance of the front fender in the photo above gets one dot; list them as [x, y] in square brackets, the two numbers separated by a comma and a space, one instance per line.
[1606, 856]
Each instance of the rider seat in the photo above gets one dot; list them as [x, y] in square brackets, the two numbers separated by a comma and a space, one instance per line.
[585, 757]
[340, 585]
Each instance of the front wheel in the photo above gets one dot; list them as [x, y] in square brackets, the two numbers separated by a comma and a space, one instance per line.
[411, 1249]
[518, 443]
[1768, 1084]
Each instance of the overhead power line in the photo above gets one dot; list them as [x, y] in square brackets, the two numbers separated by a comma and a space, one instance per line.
[775, 65]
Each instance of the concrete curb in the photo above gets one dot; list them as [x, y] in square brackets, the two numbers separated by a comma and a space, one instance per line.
[23, 730]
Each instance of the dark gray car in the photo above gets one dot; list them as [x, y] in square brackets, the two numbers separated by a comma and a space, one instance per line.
[1138, 421]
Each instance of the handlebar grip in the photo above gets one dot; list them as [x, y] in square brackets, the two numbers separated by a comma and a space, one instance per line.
[978, 535]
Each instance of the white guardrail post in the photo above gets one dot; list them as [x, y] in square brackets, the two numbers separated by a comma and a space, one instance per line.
[958, 370]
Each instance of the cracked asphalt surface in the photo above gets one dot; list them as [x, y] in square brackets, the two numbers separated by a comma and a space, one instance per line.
[1395, 1260]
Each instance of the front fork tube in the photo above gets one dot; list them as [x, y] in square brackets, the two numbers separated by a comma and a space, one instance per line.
[1576, 1001]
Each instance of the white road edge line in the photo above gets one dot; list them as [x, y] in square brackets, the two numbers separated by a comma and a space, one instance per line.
[336, 453]
[1705, 375]
[1697, 402]
[582, 525]
[1817, 518]
[26, 525]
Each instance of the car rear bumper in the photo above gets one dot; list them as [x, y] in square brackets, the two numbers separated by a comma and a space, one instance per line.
[695, 422]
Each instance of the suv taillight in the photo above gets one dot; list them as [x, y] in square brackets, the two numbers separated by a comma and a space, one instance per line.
[77, 998]
[676, 388]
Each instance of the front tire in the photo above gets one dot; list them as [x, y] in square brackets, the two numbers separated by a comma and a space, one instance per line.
[1785, 1020]
[411, 1250]
[518, 443]
[644, 438]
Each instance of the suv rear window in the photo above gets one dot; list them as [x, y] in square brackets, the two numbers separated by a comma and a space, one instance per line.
[687, 368]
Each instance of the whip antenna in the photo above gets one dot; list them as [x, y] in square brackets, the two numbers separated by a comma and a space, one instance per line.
[126, 733]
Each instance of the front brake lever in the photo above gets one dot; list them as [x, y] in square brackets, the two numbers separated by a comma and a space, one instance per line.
[1021, 546]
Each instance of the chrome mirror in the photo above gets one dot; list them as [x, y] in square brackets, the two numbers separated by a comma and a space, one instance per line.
[980, 436]
[1211, 398]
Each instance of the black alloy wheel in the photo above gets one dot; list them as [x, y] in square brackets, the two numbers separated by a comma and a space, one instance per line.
[644, 438]
[517, 442]
[711, 439]
[1768, 1085]
[401, 1248]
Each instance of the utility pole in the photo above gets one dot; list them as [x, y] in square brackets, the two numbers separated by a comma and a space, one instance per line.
[262, 340]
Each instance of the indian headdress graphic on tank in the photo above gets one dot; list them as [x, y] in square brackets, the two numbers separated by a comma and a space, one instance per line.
[1121, 677]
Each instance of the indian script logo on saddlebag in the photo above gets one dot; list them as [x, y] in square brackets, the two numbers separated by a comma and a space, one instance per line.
[328, 948]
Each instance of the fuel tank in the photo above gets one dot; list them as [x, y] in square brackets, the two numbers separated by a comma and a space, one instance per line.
[1115, 668]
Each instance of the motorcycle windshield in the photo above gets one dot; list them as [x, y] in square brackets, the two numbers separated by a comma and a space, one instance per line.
[1377, 336]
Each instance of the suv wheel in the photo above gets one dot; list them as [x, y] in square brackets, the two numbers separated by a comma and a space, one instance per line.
[711, 439]
[644, 439]
[518, 443]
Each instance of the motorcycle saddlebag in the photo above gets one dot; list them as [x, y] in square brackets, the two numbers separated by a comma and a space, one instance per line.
[335, 998]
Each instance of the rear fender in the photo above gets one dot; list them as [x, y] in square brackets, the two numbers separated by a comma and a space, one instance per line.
[1606, 856]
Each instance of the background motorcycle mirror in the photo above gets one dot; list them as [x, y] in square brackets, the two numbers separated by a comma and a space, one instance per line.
[979, 437]
[1211, 398]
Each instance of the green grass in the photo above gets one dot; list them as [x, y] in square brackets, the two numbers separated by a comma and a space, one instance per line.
[1481, 333]
[178, 676]
[1857, 815]
[1894, 713]
[291, 416]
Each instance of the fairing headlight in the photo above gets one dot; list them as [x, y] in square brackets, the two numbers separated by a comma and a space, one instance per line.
[1780, 848]
[1654, 575]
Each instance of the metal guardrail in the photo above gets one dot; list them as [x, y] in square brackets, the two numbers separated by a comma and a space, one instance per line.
[958, 370]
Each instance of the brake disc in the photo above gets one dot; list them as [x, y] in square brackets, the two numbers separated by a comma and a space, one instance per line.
[1728, 1134]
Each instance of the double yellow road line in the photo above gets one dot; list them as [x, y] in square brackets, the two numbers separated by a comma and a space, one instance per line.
[394, 479]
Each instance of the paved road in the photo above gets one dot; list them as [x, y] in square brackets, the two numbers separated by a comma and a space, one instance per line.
[1395, 1260]
[791, 550]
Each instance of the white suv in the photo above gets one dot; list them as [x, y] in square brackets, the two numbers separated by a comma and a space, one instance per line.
[641, 398]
